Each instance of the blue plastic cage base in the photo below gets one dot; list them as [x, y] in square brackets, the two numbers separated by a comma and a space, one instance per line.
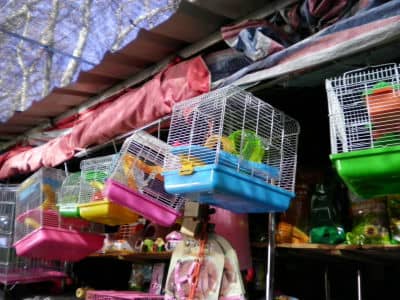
[223, 187]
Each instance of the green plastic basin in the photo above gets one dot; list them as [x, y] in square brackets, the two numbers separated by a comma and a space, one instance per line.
[370, 173]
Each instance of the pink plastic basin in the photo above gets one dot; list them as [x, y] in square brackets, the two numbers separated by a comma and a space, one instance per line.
[120, 295]
[30, 276]
[58, 244]
[151, 209]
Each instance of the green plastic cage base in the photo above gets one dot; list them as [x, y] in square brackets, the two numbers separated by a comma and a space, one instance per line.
[370, 173]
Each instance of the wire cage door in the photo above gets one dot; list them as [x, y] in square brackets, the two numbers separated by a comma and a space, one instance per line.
[137, 181]
[232, 150]
[364, 116]
[68, 196]
[93, 205]
[40, 231]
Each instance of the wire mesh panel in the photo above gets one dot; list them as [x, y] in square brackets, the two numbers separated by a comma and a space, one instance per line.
[7, 210]
[93, 205]
[137, 181]
[68, 196]
[120, 295]
[29, 270]
[364, 115]
[40, 231]
[251, 144]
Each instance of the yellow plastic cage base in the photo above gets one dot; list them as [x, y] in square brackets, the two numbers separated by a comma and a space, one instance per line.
[107, 212]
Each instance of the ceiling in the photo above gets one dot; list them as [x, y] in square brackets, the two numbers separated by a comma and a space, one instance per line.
[194, 21]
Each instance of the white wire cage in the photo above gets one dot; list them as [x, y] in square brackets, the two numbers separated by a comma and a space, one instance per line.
[137, 181]
[364, 116]
[93, 205]
[40, 230]
[251, 144]
[14, 269]
[364, 108]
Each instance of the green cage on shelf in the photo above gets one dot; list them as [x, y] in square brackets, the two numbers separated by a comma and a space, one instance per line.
[364, 116]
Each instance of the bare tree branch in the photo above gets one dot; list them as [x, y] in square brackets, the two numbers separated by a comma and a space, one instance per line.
[123, 33]
[80, 45]
[21, 63]
[48, 39]
[23, 10]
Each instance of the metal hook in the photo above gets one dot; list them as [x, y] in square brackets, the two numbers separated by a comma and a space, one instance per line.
[66, 169]
[114, 146]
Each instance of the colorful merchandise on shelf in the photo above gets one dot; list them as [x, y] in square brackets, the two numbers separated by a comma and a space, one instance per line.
[232, 150]
[173, 239]
[393, 207]
[182, 267]
[93, 205]
[293, 225]
[370, 222]
[325, 225]
[40, 231]
[364, 115]
[157, 278]
[137, 182]
[140, 277]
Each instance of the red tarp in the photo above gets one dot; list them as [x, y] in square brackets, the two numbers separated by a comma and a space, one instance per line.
[133, 109]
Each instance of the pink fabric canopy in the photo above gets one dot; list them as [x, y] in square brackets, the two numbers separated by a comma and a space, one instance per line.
[131, 110]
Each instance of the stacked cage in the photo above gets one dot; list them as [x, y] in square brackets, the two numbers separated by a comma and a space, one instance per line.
[231, 149]
[14, 269]
[137, 181]
[40, 231]
[114, 295]
[364, 115]
[93, 205]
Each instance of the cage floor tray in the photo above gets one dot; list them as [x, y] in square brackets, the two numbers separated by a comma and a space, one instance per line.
[221, 186]
[370, 173]
[30, 276]
[107, 212]
[145, 206]
[58, 244]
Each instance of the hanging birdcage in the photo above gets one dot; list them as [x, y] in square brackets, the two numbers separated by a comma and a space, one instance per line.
[40, 231]
[137, 181]
[364, 116]
[232, 150]
[93, 205]
[14, 269]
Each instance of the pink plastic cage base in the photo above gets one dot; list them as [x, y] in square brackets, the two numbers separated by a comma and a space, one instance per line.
[51, 218]
[31, 276]
[145, 206]
[120, 295]
[58, 244]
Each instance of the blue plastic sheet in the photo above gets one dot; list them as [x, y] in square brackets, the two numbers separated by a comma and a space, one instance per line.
[47, 43]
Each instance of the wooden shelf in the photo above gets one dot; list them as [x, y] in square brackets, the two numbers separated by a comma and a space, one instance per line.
[138, 256]
[352, 253]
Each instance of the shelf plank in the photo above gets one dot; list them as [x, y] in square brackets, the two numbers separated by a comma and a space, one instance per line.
[136, 256]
